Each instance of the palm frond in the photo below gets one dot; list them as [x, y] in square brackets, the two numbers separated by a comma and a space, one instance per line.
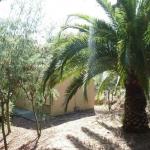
[81, 28]
[80, 16]
[48, 73]
[70, 49]
[108, 81]
[102, 28]
[74, 47]
[106, 5]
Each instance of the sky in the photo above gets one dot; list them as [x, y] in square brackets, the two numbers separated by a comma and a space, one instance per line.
[55, 12]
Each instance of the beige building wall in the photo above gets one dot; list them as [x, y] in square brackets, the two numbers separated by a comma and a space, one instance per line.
[77, 102]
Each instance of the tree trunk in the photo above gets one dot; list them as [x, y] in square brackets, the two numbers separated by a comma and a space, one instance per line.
[38, 129]
[8, 117]
[3, 125]
[8, 102]
[108, 99]
[135, 117]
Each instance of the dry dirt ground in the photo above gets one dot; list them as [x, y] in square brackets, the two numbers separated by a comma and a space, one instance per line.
[78, 131]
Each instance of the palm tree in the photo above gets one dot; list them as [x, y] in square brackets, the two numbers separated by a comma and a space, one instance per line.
[119, 45]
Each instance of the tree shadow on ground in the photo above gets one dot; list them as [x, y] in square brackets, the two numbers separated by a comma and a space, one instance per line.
[133, 141]
[105, 143]
[51, 121]
[49, 148]
[78, 143]
[8, 144]
[1, 138]
[116, 131]
[30, 145]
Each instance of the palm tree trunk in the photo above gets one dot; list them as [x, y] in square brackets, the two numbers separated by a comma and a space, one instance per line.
[135, 117]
